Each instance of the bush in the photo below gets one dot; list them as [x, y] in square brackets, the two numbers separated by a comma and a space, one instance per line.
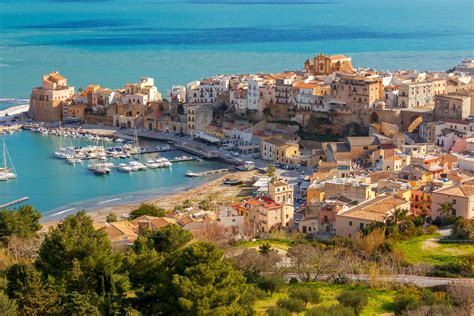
[412, 299]
[270, 284]
[293, 280]
[147, 209]
[357, 300]
[306, 294]
[112, 217]
[431, 229]
[333, 310]
[291, 304]
[277, 311]
[463, 229]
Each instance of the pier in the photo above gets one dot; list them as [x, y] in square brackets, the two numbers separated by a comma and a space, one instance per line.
[14, 202]
[205, 173]
[187, 145]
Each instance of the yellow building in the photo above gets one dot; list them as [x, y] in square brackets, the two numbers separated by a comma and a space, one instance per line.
[46, 102]
[326, 65]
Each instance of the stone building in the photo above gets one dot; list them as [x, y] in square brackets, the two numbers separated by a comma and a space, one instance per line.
[326, 65]
[46, 102]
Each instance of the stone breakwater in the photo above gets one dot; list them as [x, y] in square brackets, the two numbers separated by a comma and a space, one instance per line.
[14, 110]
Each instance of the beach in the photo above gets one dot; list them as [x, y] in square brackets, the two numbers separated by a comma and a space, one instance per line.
[214, 188]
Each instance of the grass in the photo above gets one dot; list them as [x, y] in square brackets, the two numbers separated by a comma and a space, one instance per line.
[283, 244]
[419, 250]
[380, 301]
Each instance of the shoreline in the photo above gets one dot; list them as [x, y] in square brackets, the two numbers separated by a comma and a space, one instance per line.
[166, 201]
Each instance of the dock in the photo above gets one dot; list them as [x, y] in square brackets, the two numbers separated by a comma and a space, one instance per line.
[208, 172]
[14, 202]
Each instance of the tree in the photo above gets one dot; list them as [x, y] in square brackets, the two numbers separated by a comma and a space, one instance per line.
[271, 171]
[112, 217]
[34, 297]
[357, 300]
[147, 209]
[22, 222]
[7, 306]
[338, 309]
[292, 304]
[167, 240]
[446, 209]
[265, 248]
[277, 311]
[310, 261]
[463, 229]
[79, 258]
[204, 205]
[306, 294]
[270, 283]
[196, 280]
[187, 204]
[252, 263]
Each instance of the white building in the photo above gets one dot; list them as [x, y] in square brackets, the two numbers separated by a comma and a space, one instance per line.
[177, 94]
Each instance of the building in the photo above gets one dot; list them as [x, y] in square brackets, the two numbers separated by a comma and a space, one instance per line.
[462, 195]
[284, 88]
[198, 117]
[455, 106]
[326, 65]
[415, 94]
[281, 192]
[358, 217]
[355, 189]
[46, 102]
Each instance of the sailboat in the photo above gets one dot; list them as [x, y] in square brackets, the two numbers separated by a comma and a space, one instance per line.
[5, 172]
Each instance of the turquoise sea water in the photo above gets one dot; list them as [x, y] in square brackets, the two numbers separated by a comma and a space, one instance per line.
[55, 186]
[112, 42]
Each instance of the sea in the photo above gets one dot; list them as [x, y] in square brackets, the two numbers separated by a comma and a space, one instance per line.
[114, 42]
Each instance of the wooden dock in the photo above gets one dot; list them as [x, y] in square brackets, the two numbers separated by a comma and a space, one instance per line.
[23, 199]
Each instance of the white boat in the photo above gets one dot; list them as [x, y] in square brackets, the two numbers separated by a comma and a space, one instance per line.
[191, 174]
[5, 172]
[152, 164]
[124, 168]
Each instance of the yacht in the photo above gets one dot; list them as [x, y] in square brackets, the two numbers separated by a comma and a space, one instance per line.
[5, 172]
[124, 168]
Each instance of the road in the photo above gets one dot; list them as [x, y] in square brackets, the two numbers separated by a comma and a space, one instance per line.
[420, 281]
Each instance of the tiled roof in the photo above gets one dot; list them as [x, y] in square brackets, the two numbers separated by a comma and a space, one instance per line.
[375, 209]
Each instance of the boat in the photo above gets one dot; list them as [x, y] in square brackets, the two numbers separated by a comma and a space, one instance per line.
[232, 182]
[152, 164]
[100, 171]
[124, 168]
[5, 172]
[191, 174]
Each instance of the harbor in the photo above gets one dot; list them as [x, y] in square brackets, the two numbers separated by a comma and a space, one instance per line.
[51, 183]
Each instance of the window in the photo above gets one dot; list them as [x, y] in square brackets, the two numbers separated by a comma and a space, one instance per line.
[350, 223]
[361, 226]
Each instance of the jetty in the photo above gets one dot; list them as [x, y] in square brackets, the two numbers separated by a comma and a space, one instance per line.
[14, 202]
[205, 173]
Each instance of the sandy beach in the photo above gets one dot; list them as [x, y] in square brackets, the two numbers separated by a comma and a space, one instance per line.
[214, 189]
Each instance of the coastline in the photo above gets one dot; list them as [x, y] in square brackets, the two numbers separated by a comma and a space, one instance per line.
[214, 187]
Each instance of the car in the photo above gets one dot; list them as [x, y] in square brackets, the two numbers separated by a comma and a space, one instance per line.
[297, 219]
[235, 154]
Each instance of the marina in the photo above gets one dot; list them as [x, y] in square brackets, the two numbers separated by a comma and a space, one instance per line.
[54, 184]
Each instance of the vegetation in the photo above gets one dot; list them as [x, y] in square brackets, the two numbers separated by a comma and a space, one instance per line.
[112, 217]
[72, 270]
[357, 300]
[22, 222]
[147, 209]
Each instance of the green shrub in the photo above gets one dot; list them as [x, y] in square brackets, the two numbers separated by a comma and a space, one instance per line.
[291, 304]
[277, 311]
[147, 209]
[338, 309]
[357, 300]
[270, 283]
[293, 280]
[306, 294]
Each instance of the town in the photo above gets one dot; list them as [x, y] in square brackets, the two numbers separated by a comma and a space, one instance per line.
[352, 145]
[338, 175]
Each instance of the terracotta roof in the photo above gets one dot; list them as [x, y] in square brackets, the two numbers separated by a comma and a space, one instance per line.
[375, 209]
[449, 158]
[303, 85]
[275, 141]
[464, 190]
